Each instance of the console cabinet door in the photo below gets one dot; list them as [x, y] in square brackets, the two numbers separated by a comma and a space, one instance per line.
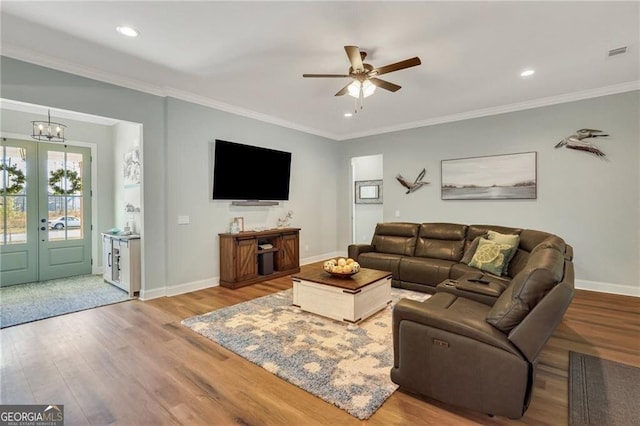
[107, 259]
[246, 259]
[289, 252]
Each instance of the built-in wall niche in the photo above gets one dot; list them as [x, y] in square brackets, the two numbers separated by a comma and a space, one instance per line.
[132, 173]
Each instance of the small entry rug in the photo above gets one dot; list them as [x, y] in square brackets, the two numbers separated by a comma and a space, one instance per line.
[29, 302]
[349, 368]
[602, 392]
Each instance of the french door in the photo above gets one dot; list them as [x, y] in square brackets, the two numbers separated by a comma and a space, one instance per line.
[45, 211]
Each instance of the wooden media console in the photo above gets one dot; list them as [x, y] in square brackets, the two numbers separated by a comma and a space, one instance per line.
[240, 256]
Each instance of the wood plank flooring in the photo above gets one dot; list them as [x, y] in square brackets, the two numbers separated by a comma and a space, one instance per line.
[133, 363]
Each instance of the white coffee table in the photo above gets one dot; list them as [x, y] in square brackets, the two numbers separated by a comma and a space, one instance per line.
[350, 299]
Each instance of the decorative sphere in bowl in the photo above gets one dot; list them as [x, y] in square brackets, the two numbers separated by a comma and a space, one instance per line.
[341, 267]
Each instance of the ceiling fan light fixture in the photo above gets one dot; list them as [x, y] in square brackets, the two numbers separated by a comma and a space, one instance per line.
[368, 88]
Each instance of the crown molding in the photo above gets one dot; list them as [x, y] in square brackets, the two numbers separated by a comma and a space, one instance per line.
[208, 102]
[40, 59]
[503, 109]
[133, 84]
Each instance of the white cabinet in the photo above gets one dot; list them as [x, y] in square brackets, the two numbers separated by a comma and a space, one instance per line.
[121, 261]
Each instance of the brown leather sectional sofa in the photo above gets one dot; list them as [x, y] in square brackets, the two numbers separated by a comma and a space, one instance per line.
[475, 342]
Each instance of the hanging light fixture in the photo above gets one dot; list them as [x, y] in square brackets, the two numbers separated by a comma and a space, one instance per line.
[366, 89]
[360, 90]
[47, 130]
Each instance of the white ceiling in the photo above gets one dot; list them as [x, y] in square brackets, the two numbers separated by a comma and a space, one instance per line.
[249, 57]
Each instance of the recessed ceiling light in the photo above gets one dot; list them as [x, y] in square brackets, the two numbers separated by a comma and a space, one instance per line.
[127, 31]
[348, 114]
[527, 73]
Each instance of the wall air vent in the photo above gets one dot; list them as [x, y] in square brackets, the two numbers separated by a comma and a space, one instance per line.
[618, 51]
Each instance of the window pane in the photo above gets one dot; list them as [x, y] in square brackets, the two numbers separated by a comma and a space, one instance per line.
[16, 212]
[65, 202]
[13, 189]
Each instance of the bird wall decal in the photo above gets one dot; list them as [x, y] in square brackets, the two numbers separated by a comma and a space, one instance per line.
[577, 141]
[417, 184]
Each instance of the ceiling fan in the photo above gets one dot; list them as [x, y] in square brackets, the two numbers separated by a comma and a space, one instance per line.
[365, 76]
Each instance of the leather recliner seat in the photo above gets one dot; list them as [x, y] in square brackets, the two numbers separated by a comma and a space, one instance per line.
[471, 344]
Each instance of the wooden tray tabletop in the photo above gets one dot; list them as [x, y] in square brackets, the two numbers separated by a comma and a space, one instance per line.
[354, 282]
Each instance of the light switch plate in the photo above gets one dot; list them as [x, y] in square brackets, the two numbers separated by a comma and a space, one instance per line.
[183, 220]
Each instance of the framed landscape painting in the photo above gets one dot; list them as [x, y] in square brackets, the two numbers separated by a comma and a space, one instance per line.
[495, 177]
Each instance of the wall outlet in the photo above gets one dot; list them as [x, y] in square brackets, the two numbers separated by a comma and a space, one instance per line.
[397, 213]
[306, 248]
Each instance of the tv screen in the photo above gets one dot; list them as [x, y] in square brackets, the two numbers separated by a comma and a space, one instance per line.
[245, 172]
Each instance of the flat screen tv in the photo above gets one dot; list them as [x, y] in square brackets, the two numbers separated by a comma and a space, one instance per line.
[246, 172]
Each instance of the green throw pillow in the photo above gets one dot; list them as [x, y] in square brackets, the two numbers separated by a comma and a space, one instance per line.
[507, 239]
[491, 256]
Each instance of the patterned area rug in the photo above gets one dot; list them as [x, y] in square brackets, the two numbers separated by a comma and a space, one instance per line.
[347, 367]
[24, 303]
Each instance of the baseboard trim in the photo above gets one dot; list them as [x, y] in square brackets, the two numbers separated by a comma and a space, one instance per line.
[152, 294]
[318, 258]
[623, 290]
[192, 286]
[215, 281]
[601, 287]
[179, 289]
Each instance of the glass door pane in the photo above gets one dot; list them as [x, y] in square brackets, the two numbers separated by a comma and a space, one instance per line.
[13, 170]
[18, 212]
[65, 195]
[65, 210]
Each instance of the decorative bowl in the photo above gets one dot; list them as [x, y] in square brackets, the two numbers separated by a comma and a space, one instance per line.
[335, 266]
[342, 274]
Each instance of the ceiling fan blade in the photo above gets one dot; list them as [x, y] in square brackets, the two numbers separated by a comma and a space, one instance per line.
[326, 75]
[385, 84]
[343, 91]
[353, 52]
[407, 63]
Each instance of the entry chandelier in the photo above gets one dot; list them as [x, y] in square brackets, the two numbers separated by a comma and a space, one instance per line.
[47, 130]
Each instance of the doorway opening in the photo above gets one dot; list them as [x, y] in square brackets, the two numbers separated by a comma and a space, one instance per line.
[366, 214]
[111, 195]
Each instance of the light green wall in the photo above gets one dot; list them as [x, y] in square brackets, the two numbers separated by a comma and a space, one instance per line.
[191, 130]
[591, 202]
[30, 83]
[19, 123]
[177, 138]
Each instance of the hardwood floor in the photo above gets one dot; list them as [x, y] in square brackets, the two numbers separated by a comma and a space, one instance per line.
[133, 363]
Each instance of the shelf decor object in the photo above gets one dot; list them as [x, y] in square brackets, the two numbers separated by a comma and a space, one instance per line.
[495, 177]
[237, 225]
